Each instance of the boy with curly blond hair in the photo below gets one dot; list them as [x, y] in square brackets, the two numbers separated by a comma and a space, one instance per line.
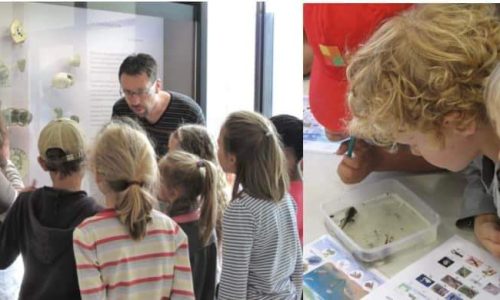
[420, 81]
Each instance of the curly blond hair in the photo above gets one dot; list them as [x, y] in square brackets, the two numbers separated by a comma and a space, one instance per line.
[421, 65]
[492, 96]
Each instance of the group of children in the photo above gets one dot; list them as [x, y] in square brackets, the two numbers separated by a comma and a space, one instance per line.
[429, 78]
[73, 247]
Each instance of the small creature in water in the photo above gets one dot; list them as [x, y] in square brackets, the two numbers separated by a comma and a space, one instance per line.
[349, 216]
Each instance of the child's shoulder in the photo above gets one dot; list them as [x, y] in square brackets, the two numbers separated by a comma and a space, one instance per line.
[166, 225]
[100, 217]
[162, 220]
[245, 201]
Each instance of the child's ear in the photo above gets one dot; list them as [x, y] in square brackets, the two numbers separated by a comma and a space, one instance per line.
[175, 193]
[232, 161]
[452, 121]
[42, 163]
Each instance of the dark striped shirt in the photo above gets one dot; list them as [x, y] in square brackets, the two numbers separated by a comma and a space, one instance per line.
[262, 256]
[181, 110]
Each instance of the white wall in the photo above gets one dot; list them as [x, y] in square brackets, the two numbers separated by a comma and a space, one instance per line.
[230, 59]
[287, 60]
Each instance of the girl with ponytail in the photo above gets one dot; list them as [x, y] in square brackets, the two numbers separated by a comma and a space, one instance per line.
[129, 250]
[261, 252]
[189, 185]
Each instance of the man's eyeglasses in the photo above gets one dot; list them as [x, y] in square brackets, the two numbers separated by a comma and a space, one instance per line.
[140, 93]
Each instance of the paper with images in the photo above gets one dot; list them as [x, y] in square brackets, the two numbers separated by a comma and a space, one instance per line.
[331, 272]
[314, 134]
[457, 269]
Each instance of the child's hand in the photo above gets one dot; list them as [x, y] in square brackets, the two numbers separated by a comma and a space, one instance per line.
[29, 188]
[5, 150]
[487, 230]
[335, 136]
[354, 169]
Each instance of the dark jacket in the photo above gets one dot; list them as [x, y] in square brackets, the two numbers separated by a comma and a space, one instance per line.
[39, 225]
[203, 259]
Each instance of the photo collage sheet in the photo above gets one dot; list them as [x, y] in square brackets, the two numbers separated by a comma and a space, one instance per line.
[331, 272]
[456, 270]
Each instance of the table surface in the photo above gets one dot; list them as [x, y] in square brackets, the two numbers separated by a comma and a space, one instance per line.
[441, 191]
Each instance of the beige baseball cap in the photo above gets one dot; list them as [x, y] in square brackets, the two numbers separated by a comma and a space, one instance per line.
[64, 134]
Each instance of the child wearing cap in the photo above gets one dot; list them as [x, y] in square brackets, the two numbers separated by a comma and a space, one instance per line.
[420, 81]
[40, 223]
[290, 130]
[335, 31]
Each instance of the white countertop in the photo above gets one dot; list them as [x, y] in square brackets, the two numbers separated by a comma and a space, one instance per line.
[441, 191]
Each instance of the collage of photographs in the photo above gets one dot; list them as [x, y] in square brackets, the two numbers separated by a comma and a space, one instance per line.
[278, 150]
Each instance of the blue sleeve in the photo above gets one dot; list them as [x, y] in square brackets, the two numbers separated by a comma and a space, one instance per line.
[477, 199]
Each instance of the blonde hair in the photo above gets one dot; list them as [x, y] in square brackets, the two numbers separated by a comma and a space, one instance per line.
[196, 139]
[196, 179]
[418, 67]
[260, 161]
[492, 96]
[124, 158]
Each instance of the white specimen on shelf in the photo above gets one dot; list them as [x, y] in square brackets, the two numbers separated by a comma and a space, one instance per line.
[17, 31]
[20, 160]
[62, 80]
[17, 116]
[74, 60]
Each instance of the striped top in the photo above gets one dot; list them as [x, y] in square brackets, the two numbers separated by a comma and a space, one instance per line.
[10, 171]
[10, 183]
[181, 110]
[262, 256]
[111, 265]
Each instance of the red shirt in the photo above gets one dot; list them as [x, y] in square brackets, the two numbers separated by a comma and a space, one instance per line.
[334, 31]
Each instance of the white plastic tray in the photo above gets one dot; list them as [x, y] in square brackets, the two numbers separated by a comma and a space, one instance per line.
[368, 196]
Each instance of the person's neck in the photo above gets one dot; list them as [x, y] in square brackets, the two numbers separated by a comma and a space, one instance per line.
[295, 174]
[71, 183]
[161, 103]
[110, 201]
[489, 142]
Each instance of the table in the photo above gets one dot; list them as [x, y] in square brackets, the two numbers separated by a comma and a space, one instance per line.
[441, 191]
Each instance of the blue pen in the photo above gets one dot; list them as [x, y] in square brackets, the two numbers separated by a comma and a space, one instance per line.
[350, 147]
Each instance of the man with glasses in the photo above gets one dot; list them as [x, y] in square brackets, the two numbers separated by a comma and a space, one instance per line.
[159, 112]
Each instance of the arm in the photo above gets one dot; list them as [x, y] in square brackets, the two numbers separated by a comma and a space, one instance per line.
[89, 277]
[479, 211]
[200, 118]
[9, 233]
[182, 285]
[7, 193]
[477, 200]
[238, 230]
[487, 231]
[307, 56]
[298, 272]
[370, 158]
[12, 174]
[297, 275]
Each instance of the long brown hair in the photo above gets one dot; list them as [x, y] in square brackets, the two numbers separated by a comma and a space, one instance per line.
[125, 159]
[260, 161]
[196, 179]
[195, 139]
